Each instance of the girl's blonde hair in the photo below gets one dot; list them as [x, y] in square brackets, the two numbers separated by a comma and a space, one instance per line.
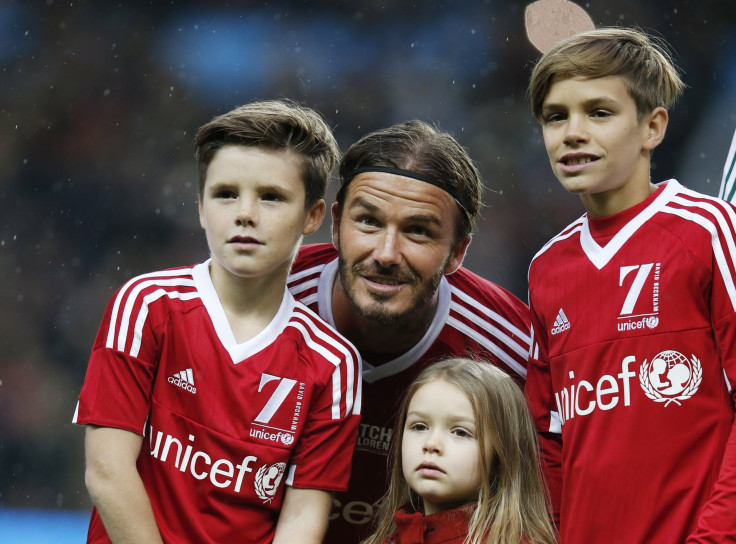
[511, 506]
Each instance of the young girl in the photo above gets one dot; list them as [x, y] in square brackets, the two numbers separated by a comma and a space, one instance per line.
[465, 466]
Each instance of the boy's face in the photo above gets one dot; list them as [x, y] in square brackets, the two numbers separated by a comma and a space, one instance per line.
[252, 210]
[597, 146]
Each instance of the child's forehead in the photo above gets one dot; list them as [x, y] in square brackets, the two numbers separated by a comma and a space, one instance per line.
[241, 159]
[575, 87]
[440, 393]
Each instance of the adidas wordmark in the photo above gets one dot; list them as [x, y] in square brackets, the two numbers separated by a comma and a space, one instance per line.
[561, 323]
[184, 379]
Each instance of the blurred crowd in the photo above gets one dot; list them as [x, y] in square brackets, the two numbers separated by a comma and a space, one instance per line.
[99, 103]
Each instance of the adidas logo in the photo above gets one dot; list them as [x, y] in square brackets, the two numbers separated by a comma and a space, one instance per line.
[185, 380]
[561, 323]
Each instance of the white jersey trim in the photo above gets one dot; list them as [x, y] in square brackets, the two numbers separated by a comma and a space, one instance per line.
[715, 241]
[154, 278]
[601, 256]
[143, 314]
[374, 373]
[493, 317]
[490, 346]
[569, 231]
[304, 273]
[238, 352]
[353, 390]
[402, 362]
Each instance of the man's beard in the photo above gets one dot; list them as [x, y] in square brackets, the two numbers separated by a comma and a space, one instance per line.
[377, 311]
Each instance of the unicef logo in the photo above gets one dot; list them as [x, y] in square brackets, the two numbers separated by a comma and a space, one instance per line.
[268, 479]
[287, 439]
[652, 322]
[670, 377]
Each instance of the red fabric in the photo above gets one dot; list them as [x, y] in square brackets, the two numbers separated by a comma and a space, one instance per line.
[474, 318]
[630, 382]
[227, 425]
[446, 527]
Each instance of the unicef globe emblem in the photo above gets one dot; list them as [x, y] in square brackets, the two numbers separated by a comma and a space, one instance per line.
[652, 322]
[670, 377]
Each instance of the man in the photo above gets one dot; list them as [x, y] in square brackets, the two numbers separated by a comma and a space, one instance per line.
[393, 285]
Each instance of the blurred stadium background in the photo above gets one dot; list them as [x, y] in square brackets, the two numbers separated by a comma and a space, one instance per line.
[98, 105]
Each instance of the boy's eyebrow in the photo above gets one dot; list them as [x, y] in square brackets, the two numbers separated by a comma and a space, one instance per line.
[597, 101]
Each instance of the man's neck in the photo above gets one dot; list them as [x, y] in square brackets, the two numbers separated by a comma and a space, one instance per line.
[378, 342]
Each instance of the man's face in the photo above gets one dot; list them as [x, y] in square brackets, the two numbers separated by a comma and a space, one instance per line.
[396, 239]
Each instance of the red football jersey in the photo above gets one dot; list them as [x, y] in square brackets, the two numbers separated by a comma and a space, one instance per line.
[474, 318]
[633, 359]
[226, 425]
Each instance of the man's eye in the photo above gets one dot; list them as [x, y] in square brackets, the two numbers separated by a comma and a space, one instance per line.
[418, 231]
[368, 221]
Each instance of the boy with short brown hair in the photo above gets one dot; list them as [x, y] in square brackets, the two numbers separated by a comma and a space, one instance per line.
[218, 408]
[633, 310]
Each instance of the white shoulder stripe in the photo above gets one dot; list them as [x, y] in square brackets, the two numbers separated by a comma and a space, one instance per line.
[521, 349]
[299, 275]
[349, 358]
[490, 314]
[299, 287]
[490, 346]
[308, 301]
[555, 425]
[708, 225]
[143, 314]
[331, 357]
[130, 303]
[571, 229]
[121, 294]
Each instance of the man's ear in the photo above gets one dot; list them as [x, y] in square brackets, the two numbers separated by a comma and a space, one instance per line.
[457, 255]
[335, 224]
[655, 126]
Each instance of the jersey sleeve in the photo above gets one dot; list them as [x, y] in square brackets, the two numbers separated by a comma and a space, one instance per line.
[322, 458]
[540, 398]
[117, 386]
[717, 522]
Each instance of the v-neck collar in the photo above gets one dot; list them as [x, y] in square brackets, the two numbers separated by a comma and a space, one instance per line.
[601, 255]
[213, 305]
[373, 373]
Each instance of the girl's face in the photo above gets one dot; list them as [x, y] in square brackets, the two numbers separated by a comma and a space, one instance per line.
[439, 450]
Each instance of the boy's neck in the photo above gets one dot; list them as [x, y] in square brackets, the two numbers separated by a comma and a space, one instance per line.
[609, 203]
[250, 304]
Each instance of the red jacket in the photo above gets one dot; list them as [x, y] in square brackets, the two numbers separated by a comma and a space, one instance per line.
[445, 527]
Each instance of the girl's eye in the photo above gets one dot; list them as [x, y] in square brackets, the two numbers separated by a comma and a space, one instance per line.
[462, 433]
[418, 426]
